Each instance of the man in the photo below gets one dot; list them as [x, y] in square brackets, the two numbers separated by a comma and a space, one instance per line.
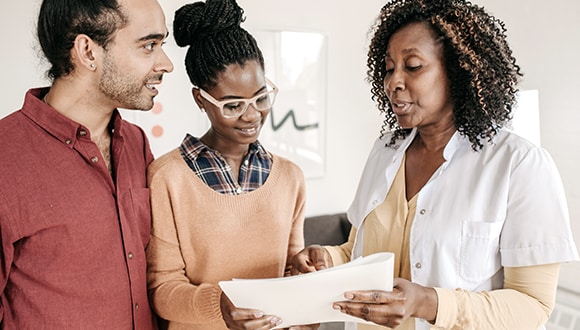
[74, 206]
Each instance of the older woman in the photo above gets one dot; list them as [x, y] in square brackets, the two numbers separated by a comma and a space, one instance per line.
[476, 215]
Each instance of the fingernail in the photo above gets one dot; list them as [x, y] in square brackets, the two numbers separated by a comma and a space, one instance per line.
[348, 295]
[337, 307]
[258, 314]
[276, 321]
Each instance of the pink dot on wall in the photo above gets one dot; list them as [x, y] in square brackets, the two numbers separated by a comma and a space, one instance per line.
[157, 131]
[157, 108]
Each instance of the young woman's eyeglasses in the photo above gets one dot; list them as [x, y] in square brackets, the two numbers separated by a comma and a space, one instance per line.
[236, 107]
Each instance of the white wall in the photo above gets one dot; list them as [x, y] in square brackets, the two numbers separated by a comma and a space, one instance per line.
[545, 39]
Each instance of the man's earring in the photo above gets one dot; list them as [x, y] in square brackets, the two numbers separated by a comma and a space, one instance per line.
[92, 65]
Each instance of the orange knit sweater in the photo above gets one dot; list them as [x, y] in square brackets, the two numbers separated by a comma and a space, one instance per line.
[200, 237]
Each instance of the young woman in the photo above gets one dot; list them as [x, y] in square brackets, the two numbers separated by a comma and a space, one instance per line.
[223, 206]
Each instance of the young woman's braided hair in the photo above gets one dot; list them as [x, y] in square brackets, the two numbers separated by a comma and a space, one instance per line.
[482, 72]
[215, 38]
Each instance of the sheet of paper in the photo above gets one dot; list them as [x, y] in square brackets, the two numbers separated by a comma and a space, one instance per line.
[308, 298]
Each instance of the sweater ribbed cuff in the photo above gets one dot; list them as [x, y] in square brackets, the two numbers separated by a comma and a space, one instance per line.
[209, 306]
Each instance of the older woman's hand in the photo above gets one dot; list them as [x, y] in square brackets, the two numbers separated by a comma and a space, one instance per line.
[391, 308]
[311, 259]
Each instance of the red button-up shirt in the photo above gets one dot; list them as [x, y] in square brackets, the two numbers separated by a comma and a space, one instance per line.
[73, 239]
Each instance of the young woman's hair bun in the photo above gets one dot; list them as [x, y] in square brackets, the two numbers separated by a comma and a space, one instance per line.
[200, 20]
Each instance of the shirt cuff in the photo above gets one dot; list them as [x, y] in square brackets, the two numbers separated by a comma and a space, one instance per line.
[446, 309]
[337, 255]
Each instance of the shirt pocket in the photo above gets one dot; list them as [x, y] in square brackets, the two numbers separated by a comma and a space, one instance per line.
[480, 258]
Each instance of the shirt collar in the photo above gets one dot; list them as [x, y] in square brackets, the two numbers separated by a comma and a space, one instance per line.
[56, 124]
[452, 146]
[192, 147]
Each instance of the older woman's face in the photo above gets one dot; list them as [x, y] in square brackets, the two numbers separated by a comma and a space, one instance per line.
[416, 80]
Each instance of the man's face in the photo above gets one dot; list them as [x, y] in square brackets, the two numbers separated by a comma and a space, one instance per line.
[134, 62]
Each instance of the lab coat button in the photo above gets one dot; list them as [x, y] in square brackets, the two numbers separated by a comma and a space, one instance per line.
[418, 265]
[422, 211]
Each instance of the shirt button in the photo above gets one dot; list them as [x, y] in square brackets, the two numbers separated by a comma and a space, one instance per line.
[422, 211]
[68, 141]
[82, 132]
[95, 159]
[136, 306]
[418, 265]
[239, 190]
[246, 162]
[130, 255]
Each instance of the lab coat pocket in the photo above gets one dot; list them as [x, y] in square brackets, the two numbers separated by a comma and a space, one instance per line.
[480, 258]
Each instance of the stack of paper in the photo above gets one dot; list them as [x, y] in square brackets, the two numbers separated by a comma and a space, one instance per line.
[308, 298]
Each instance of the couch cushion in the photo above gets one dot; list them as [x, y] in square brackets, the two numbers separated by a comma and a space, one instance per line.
[330, 229]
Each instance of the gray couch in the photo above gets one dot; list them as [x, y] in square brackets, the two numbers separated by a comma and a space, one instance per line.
[332, 229]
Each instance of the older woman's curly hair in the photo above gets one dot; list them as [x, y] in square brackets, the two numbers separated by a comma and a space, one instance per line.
[482, 72]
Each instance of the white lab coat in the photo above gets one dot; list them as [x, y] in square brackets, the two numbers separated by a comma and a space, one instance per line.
[502, 206]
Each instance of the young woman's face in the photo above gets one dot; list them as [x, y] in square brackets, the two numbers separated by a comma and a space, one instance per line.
[237, 82]
[416, 81]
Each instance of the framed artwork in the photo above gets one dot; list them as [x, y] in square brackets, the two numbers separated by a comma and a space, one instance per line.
[294, 61]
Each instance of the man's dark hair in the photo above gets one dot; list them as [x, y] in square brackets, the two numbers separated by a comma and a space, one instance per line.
[61, 21]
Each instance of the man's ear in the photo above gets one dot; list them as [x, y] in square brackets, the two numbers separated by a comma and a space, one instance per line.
[86, 53]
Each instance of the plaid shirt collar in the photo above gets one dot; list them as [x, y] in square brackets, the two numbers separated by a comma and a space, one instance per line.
[213, 169]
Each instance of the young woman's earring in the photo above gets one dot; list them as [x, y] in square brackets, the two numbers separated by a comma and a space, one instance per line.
[92, 65]
[202, 109]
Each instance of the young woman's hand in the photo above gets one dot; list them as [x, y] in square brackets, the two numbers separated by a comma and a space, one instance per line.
[246, 319]
[304, 327]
